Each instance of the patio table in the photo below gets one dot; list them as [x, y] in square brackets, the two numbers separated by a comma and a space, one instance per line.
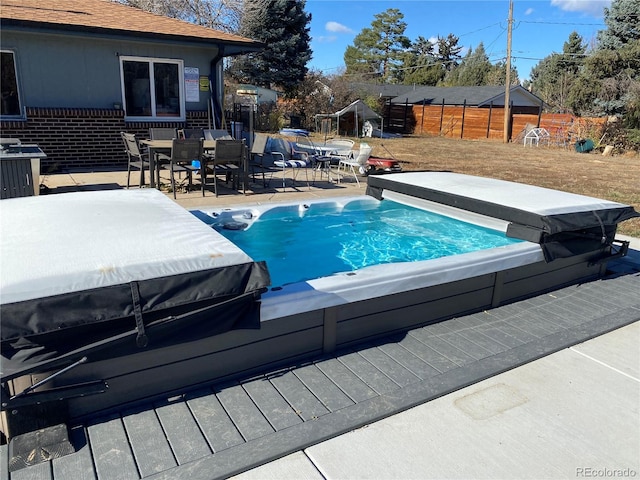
[164, 146]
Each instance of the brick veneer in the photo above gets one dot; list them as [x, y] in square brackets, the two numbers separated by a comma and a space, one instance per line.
[78, 138]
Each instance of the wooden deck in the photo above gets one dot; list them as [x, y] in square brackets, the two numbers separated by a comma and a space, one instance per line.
[224, 429]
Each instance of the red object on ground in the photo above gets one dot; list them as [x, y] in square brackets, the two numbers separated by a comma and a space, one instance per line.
[382, 165]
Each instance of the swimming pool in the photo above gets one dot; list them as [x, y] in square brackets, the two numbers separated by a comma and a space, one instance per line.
[314, 240]
[342, 283]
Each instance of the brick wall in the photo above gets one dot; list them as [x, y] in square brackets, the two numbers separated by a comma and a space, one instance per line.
[75, 138]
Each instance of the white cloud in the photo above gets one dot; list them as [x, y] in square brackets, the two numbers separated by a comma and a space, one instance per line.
[337, 28]
[591, 7]
[529, 11]
[325, 38]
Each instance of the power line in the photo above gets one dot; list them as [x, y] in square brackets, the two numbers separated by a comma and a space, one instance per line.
[563, 23]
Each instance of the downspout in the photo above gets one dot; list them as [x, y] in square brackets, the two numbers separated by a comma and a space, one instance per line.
[216, 88]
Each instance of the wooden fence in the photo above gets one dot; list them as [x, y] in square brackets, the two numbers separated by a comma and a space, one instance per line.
[477, 123]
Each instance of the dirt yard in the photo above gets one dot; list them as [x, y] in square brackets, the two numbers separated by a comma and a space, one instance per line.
[615, 178]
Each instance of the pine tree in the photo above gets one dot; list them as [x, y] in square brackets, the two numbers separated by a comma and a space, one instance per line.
[553, 78]
[473, 70]
[420, 66]
[622, 19]
[282, 25]
[380, 48]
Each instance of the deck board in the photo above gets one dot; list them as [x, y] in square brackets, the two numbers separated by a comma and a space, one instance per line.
[369, 374]
[112, 453]
[387, 365]
[185, 438]
[346, 380]
[244, 413]
[41, 471]
[299, 396]
[218, 429]
[272, 405]
[408, 360]
[148, 442]
[324, 389]
[427, 354]
[78, 465]
[444, 348]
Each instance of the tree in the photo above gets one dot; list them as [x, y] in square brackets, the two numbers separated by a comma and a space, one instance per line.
[472, 71]
[420, 66]
[223, 15]
[448, 51]
[552, 79]
[623, 25]
[380, 48]
[282, 25]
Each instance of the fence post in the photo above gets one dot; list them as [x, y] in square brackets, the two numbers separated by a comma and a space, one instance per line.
[540, 113]
[424, 100]
[464, 109]
[441, 115]
[489, 120]
[404, 119]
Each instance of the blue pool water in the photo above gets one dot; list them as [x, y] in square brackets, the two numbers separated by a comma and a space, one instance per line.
[319, 242]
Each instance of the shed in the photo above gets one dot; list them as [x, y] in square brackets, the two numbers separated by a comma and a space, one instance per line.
[353, 116]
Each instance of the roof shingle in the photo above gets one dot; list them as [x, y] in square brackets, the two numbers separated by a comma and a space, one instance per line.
[103, 15]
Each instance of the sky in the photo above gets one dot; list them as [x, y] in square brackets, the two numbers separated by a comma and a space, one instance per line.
[540, 27]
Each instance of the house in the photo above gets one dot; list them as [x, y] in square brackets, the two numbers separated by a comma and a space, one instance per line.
[76, 73]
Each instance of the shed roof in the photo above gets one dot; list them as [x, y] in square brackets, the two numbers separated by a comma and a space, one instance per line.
[106, 17]
[473, 96]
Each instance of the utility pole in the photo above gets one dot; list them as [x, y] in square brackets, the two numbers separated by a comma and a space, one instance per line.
[507, 106]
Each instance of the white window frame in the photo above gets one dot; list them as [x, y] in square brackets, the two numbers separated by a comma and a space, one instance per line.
[154, 116]
[21, 110]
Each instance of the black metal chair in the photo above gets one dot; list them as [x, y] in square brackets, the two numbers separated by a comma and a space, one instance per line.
[187, 157]
[230, 159]
[191, 133]
[136, 157]
[256, 160]
[161, 159]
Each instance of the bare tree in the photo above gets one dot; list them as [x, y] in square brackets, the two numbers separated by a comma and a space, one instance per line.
[223, 15]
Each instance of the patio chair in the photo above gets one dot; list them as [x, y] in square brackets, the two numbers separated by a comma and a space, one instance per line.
[136, 157]
[230, 159]
[256, 160]
[162, 133]
[303, 161]
[356, 159]
[338, 147]
[190, 133]
[161, 160]
[184, 154]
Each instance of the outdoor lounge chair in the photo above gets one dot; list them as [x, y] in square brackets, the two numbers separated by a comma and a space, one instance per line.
[356, 159]
[303, 161]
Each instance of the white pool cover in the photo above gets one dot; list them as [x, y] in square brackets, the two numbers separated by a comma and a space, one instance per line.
[129, 257]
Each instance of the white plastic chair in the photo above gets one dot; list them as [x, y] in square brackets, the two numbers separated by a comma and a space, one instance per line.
[356, 159]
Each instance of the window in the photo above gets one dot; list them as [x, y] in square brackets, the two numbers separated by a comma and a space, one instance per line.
[153, 88]
[9, 84]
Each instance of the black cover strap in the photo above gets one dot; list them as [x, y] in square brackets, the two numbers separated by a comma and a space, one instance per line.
[141, 339]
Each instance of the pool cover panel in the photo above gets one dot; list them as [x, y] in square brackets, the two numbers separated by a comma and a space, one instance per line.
[115, 297]
[563, 224]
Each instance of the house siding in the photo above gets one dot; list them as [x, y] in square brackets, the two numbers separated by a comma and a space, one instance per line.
[78, 71]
